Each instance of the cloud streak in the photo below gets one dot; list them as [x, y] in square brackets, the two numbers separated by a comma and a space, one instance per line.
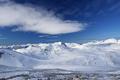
[28, 18]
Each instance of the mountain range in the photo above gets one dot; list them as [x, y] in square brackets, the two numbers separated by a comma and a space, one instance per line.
[101, 55]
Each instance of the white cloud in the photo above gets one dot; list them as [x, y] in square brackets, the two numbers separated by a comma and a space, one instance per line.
[31, 19]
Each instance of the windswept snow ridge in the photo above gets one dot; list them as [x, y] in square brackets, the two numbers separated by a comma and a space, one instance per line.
[100, 55]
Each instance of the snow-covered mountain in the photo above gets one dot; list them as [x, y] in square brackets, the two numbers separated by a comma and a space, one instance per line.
[15, 59]
[100, 55]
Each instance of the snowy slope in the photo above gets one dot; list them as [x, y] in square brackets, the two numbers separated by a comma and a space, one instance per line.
[15, 59]
[100, 55]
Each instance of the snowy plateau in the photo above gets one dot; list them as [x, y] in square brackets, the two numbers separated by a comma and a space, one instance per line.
[96, 60]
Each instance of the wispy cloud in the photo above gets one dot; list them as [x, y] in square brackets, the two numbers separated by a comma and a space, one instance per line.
[1, 37]
[48, 36]
[29, 18]
[4, 0]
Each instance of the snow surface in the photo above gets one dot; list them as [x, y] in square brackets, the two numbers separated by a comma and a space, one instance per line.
[92, 56]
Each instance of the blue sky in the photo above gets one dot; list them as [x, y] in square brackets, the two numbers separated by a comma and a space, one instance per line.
[35, 21]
